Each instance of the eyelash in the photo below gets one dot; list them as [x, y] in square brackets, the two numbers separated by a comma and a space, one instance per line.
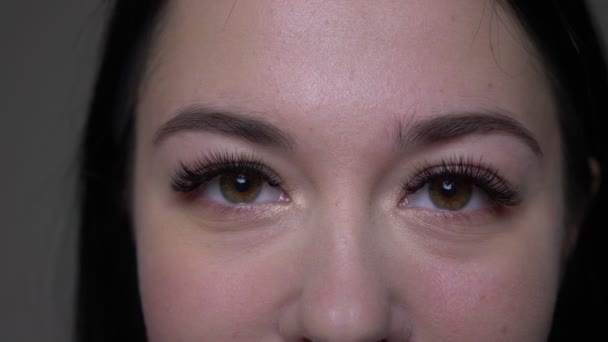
[480, 174]
[190, 178]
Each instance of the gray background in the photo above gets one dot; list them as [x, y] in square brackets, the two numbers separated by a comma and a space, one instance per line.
[49, 53]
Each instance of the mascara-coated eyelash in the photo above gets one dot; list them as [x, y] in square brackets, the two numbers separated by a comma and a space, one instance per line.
[476, 172]
[191, 177]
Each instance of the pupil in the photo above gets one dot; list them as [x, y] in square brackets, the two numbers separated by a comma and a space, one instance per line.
[241, 183]
[448, 188]
[450, 193]
[241, 187]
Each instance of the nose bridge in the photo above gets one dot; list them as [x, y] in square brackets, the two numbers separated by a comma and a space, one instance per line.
[343, 297]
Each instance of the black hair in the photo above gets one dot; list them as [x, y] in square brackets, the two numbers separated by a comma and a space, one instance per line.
[108, 306]
[572, 54]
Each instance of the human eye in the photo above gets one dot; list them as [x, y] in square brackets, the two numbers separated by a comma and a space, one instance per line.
[458, 186]
[230, 179]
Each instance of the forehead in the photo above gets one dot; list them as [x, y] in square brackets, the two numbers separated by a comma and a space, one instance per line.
[344, 59]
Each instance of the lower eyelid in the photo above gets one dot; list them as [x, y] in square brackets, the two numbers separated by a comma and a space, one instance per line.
[236, 217]
[472, 222]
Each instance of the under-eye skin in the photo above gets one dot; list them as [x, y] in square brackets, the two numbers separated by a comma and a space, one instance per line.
[230, 179]
[458, 185]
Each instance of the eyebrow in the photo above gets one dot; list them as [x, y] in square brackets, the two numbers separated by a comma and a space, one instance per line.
[454, 126]
[440, 129]
[240, 125]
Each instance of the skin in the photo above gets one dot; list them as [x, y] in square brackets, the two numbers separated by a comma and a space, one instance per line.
[342, 259]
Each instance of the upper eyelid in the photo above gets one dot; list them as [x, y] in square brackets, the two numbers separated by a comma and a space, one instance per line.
[456, 166]
[188, 177]
[211, 165]
[466, 171]
[264, 171]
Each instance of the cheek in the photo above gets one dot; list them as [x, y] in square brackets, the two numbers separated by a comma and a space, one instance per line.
[488, 301]
[506, 295]
[189, 293]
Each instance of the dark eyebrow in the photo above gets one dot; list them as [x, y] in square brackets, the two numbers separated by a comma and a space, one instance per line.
[450, 127]
[225, 122]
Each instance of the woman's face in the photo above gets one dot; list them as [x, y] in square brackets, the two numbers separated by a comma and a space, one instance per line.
[346, 171]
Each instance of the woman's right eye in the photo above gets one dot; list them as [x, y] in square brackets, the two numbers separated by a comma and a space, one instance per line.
[242, 187]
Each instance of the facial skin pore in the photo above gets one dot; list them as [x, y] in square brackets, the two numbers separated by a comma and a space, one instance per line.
[344, 254]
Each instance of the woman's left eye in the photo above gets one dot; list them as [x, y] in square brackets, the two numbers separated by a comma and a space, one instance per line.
[242, 187]
[448, 193]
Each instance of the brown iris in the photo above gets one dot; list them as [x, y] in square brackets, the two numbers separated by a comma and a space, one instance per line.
[241, 187]
[450, 193]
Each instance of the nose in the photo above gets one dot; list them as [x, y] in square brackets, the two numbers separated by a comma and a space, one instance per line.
[344, 303]
[343, 296]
